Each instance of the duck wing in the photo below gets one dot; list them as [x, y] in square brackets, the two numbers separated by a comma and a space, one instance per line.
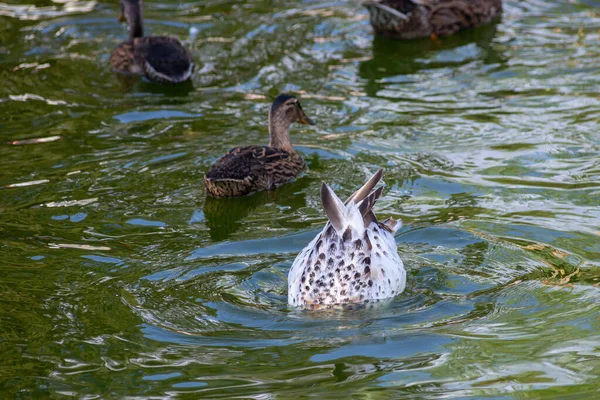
[402, 19]
[252, 168]
[449, 17]
[409, 19]
[164, 59]
[401, 6]
[122, 59]
[247, 161]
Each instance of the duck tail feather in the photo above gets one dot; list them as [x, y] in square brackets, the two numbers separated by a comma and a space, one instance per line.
[391, 224]
[159, 76]
[334, 208]
[369, 218]
[367, 204]
[364, 191]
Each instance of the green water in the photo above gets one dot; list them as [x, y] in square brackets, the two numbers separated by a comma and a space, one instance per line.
[120, 279]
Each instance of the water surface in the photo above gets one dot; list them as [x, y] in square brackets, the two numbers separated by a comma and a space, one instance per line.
[120, 278]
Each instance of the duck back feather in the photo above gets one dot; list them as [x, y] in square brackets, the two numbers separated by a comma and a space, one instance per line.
[411, 19]
[252, 168]
[164, 59]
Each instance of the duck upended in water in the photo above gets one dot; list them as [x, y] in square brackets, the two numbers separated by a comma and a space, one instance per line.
[411, 19]
[158, 58]
[354, 258]
[254, 168]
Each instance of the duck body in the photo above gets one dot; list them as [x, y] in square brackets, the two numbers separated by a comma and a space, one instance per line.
[250, 169]
[412, 19]
[158, 58]
[254, 168]
[352, 260]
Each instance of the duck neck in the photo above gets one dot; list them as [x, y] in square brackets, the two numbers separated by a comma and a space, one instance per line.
[133, 13]
[279, 131]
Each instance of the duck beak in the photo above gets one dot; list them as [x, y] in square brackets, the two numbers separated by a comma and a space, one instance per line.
[305, 120]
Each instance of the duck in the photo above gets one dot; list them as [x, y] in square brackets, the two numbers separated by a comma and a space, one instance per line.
[254, 168]
[353, 260]
[161, 59]
[412, 19]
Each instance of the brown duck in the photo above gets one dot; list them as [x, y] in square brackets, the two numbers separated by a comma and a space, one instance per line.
[411, 19]
[254, 168]
[158, 58]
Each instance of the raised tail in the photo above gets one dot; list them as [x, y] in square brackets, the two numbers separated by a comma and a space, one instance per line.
[336, 211]
[366, 206]
[357, 212]
[365, 189]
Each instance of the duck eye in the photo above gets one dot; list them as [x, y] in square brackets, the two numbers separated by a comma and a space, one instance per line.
[290, 109]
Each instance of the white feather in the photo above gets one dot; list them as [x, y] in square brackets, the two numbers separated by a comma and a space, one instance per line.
[338, 268]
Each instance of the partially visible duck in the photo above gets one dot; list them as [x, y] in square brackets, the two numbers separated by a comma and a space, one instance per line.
[353, 260]
[158, 58]
[254, 168]
[411, 19]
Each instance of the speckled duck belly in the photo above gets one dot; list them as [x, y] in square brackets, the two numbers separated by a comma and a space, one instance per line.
[353, 260]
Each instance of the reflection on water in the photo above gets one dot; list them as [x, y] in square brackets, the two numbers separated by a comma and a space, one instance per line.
[224, 216]
[392, 58]
[121, 278]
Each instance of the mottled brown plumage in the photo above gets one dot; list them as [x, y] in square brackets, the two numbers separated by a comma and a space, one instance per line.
[411, 19]
[254, 168]
[158, 58]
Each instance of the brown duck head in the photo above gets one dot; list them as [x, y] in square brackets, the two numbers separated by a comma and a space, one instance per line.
[285, 110]
[131, 11]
